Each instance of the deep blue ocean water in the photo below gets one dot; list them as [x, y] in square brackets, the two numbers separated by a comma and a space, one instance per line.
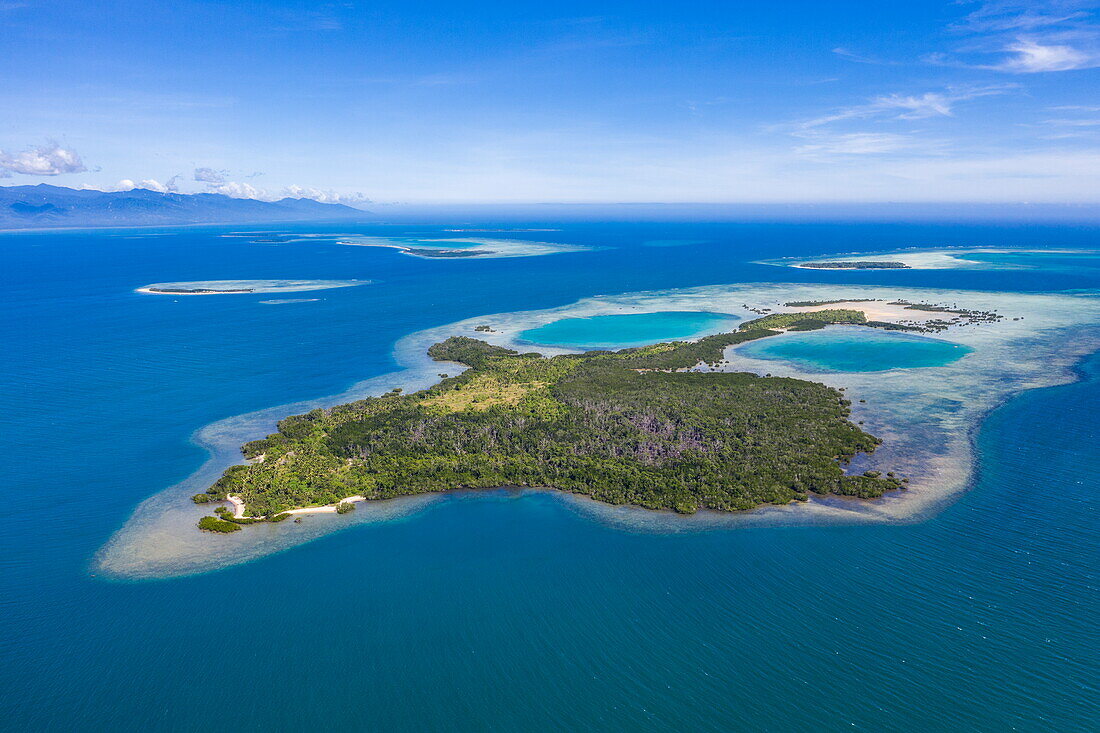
[629, 329]
[846, 350]
[502, 610]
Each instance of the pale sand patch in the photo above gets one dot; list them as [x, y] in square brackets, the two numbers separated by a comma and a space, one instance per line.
[950, 259]
[878, 310]
[238, 506]
[328, 509]
[245, 287]
[927, 418]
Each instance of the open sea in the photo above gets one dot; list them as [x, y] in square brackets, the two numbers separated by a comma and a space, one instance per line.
[505, 610]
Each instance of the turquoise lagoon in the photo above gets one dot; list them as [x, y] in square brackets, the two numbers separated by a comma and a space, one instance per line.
[856, 349]
[1053, 261]
[514, 610]
[629, 329]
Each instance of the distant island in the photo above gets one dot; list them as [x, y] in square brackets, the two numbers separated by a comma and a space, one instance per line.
[199, 291]
[856, 265]
[636, 426]
[44, 206]
[444, 253]
[502, 230]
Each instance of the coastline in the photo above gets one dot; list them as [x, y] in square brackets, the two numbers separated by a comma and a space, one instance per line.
[239, 507]
[476, 249]
[942, 468]
[244, 287]
[939, 258]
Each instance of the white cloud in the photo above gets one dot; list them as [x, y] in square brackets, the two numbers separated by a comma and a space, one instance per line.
[855, 143]
[239, 190]
[1083, 122]
[209, 175]
[43, 160]
[325, 197]
[1029, 37]
[1024, 15]
[906, 107]
[149, 184]
[1030, 57]
[860, 58]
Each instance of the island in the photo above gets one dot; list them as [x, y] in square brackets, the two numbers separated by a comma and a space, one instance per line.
[856, 265]
[640, 426]
[445, 253]
[198, 291]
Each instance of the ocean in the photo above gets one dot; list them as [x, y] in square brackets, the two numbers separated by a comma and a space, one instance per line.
[509, 610]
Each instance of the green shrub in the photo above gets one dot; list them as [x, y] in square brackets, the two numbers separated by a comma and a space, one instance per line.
[213, 524]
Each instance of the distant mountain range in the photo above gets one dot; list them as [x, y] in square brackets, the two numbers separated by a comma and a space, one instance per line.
[45, 206]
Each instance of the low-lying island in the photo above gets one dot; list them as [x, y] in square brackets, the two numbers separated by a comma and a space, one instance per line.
[638, 426]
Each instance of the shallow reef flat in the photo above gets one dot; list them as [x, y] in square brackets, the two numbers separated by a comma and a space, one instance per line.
[465, 247]
[234, 287]
[975, 258]
[926, 416]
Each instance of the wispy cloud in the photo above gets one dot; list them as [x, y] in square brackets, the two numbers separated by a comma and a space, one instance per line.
[43, 160]
[832, 134]
[1073, 123]
[1028, 37]
[907, 106]
[861, 58]
[855, 143]
[1028, 56]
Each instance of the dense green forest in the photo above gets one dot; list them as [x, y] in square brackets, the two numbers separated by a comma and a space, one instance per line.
[857, 265]
[626, 427]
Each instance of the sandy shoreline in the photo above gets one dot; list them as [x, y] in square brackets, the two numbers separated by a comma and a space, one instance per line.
[877, 310]
[239, 507]
[927, 417]
[152, 291]
[920, 259]
[244, 287]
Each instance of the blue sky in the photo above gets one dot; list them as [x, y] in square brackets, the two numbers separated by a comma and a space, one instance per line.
[561, 102]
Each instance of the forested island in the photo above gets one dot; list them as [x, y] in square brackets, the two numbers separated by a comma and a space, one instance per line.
[856, 265]
[446, 253]
[636, 426]
[199, 291]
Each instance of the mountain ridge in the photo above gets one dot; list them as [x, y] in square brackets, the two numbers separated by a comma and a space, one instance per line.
[45, 206]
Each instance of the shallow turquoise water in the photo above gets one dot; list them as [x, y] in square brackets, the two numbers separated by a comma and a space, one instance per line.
[1053, 261]
[857, 349]
[506, 611]
[629, 329]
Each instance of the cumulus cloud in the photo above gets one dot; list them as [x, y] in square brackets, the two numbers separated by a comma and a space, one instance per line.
[149, 184]
[42, 160]
[238, 190]
[325, 197]
[209, 175]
